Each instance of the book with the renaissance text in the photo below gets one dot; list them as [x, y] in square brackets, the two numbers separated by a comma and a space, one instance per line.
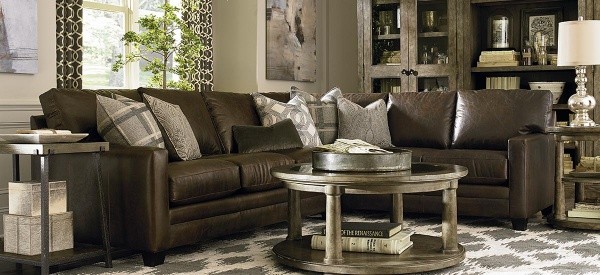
[393, 245]
[371, 230]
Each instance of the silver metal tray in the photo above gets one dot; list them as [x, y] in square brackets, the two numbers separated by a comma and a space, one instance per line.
[399, 160]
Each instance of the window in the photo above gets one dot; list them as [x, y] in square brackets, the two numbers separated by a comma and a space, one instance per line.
[104, 23]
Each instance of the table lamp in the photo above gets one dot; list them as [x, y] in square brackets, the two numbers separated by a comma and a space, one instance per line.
[578, 45]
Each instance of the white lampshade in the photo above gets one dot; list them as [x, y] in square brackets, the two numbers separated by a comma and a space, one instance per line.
[579, 43]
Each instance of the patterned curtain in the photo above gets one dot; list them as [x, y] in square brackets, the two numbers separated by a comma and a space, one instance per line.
[198, 15]
[69, 26]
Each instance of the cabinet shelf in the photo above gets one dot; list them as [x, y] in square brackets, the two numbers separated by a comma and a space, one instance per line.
[386, 2]
[433, 34]
[387, 36]
[502, 2]
[534, 68]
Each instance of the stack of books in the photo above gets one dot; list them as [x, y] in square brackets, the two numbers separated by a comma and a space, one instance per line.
[588, 210]
[384, 238]
[567, 164]
[510, 82]
[498, 58]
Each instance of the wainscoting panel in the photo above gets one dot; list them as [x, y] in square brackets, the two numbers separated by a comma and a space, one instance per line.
[12, 118]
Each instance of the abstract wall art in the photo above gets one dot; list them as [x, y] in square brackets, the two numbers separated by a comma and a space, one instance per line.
[18, 36]
[292, 40]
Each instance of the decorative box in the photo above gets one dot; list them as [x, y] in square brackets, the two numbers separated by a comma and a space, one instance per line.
[24, 198]
[22, 234]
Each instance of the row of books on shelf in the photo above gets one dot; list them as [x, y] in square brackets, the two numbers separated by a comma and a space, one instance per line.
[587, 210]
[384, 238]
[509, 82]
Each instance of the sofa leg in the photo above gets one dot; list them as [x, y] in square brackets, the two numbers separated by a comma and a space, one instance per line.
[519, 224]
[152, 259]
[546, 212]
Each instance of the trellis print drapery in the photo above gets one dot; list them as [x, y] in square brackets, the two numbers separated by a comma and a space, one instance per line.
[69, 45]
[198, 15]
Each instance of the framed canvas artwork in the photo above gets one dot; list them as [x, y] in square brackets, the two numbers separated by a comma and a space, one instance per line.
[291, 40]
[18, 36]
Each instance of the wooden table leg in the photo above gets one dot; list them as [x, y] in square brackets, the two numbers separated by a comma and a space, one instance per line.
[579, 191]
[294, 216]
[104, 217]
[333, 226]
[397, 208]
[559, 189]
[449, 220]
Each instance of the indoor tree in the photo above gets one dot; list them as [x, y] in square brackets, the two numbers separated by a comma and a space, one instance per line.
[157, 43]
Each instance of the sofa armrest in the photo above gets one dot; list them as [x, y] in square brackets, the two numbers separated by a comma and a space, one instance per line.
[139, 195]
[531, 174]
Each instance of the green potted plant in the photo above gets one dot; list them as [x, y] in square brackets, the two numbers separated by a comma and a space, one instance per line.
[158, 43]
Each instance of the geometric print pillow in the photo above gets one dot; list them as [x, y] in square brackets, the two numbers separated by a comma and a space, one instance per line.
[323, 113]
[127, 122]
[369, 124]
[272, 111]
[179, 137]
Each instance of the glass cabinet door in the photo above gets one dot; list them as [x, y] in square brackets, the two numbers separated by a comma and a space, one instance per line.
[385, 27]
[433, 45]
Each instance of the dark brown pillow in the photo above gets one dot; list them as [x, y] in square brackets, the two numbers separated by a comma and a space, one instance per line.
[279, 136]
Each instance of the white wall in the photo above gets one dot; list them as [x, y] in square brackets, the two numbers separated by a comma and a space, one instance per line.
[240, 47]
[19, 92]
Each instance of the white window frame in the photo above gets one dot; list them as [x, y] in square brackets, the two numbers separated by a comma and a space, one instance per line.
[130, 9]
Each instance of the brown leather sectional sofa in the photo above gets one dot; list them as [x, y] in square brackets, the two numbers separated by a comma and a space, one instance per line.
[156, 204]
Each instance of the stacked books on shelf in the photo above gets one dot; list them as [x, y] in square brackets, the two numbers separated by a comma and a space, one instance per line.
[384, 238]
[567, 164]
[498, 58]
[391, 85]
[588, 210]
[506, 83]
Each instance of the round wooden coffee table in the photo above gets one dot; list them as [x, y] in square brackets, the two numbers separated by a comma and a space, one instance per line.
[427, 253]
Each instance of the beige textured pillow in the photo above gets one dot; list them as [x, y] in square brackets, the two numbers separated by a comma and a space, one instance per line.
[368, 124]
[181, 142]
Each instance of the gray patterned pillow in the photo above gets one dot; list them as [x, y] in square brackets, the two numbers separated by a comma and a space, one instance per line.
[272, 111]
[369, 124]
[324, 114]
[128, 122]
[181, 142]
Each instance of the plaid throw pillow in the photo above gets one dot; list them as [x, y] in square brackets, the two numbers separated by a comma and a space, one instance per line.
[128, 122]
[323, 112]
[272, 111]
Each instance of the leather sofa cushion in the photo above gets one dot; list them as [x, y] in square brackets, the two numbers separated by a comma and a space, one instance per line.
[255, 169]
[300, 155]
[201, 180]
[364, 99]
[194, 108]
[227, 110]
[487, 119]
[486, 167]
[422, 119]
[232, 204]
[75, 110]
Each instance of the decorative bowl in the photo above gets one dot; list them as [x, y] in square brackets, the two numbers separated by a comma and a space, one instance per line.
[556, 88]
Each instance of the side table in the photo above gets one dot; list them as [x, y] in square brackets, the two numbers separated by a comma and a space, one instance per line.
[562, 135]
[80, 252]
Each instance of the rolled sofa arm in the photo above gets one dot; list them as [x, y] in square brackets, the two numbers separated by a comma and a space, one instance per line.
[139, 195]
[531, 174]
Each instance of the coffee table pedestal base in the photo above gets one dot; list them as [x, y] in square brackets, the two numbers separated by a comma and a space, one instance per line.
[424, 255]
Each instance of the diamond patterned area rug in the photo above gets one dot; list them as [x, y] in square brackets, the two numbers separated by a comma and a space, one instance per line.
[492, 247]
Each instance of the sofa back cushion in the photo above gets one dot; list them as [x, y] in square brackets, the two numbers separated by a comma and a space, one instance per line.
[229, 109]
[194, 108]
[486, 119]
[422, 119]
[75, 110]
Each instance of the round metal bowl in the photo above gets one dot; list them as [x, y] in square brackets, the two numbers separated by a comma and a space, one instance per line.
[399, 160]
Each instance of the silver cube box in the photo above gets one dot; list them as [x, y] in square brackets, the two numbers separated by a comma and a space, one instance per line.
[22, 234]
[24, 198]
